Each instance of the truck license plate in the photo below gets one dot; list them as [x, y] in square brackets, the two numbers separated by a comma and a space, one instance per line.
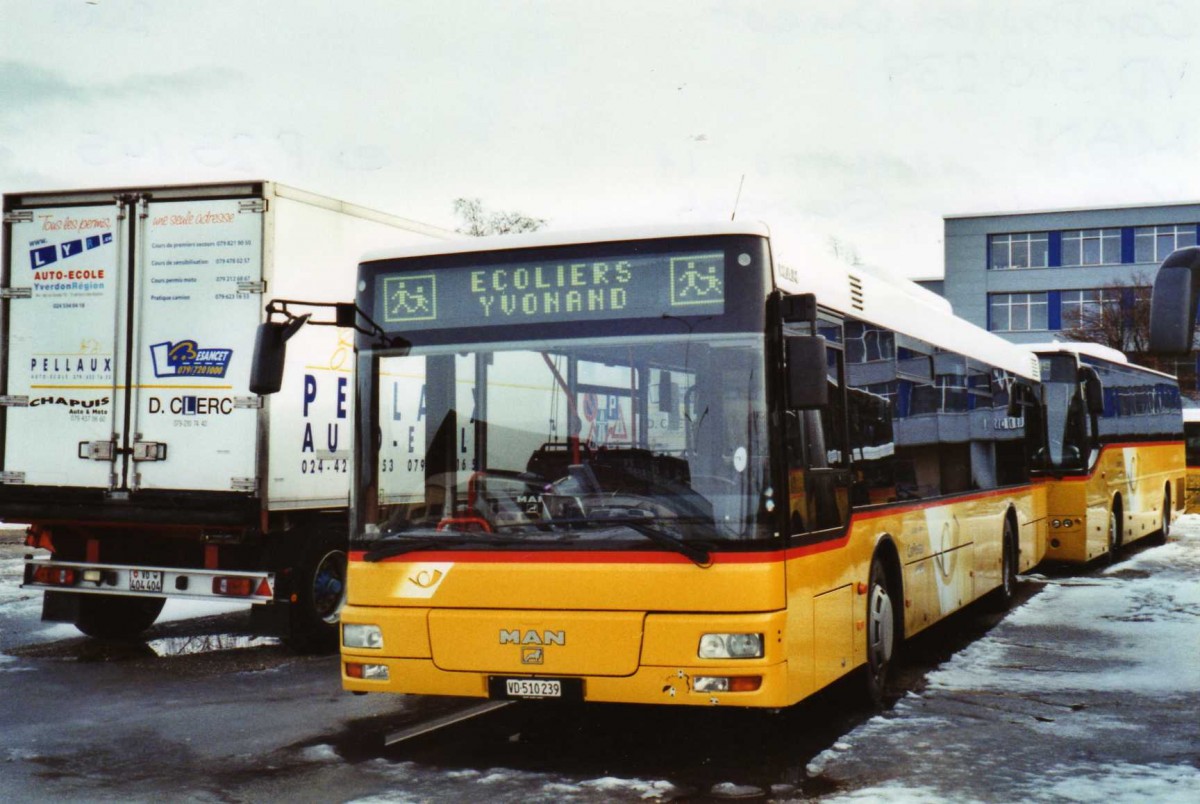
[533, 688]
[145, 580]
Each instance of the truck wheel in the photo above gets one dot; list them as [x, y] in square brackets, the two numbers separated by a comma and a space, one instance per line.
[320, 593]
[117, 616]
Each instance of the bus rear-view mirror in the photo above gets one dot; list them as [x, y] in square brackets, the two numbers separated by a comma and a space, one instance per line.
[270, 349]
[1173, 303]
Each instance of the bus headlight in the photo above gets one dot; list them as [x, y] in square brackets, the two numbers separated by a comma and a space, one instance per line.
[731, 646]
[361, 636]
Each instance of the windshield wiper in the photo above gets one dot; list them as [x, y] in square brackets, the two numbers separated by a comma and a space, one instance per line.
[698, 555]
[410, 544]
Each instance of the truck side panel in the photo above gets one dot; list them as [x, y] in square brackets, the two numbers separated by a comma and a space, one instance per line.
[316, 255]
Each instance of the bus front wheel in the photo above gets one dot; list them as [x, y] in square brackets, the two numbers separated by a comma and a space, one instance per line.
[881, 632]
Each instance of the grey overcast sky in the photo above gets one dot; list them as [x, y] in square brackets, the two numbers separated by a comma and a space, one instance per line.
[853, 121]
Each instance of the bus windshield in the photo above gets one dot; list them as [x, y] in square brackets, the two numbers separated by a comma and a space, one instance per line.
[589, 443]
[1066, 418]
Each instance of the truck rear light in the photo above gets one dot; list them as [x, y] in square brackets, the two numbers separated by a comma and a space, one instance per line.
[56, 576]
[233, 587]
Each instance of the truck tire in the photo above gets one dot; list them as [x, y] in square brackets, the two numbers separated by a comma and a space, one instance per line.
[320, 592]
[117, 616]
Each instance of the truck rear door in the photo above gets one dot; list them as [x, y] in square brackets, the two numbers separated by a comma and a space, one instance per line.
[62, 402]
[129, 335]
[198, 301]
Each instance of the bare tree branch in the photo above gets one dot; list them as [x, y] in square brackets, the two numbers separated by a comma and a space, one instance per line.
[479, 222]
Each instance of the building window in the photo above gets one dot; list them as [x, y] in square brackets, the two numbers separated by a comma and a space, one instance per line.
[1091, 247]
[1089, 306]
[1029, 250]
[1017, 312]
[1155, 243]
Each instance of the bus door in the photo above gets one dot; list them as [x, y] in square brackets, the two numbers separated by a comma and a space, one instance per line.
[819, 478]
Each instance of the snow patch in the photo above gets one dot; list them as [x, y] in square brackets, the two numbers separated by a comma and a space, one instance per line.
[320, 753]
[731, 790]
[1140, 632]
[1121, 782]
[508, 785]
[206, 643]
[897, 793]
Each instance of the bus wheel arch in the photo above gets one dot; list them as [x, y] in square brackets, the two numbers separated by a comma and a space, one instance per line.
[884, 618]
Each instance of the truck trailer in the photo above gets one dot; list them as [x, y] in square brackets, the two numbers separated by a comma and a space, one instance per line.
[131, 444]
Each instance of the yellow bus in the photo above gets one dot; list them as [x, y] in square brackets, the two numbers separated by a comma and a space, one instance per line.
[667, 466]
[1191, 435]
[1114, 461]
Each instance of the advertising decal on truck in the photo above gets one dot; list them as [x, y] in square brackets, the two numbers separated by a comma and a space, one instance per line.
[129, 439]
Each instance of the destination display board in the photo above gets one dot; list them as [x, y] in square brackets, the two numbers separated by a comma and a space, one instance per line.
[552, 291]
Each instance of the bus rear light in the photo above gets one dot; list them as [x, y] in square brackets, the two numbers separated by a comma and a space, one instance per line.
[367, 672]
[726, 683]
[56, 576]
[232, 587]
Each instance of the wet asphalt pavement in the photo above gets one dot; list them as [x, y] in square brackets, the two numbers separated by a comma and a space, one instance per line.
[984, 709]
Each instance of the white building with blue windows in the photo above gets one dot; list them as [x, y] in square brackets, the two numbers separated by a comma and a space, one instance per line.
[1032, 276]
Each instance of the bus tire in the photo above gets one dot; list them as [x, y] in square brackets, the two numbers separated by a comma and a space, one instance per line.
[320, 590]
[882, 631]
[1161, 535]
[117, 616]
[1115, 524]
[1003, 596]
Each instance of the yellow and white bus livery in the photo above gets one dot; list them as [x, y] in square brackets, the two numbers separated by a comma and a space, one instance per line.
[666, 466]
[1114, 460]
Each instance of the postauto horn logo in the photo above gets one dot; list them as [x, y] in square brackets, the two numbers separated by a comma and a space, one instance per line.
[187, 359]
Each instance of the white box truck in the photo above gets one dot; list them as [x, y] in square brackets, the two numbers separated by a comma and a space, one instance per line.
[130, 441]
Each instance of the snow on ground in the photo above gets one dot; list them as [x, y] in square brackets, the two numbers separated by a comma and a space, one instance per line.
[1143, 634]
[1088, 692]
[414, 783]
